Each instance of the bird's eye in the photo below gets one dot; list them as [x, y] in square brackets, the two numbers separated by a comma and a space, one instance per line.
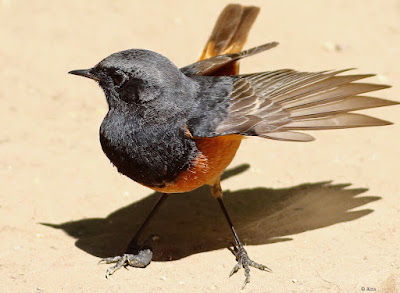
[117, 79]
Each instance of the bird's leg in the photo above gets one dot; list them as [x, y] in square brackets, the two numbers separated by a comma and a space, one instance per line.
[135, 255]
[243, 260]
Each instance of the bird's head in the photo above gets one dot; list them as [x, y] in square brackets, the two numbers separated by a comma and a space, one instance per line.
[137, 77]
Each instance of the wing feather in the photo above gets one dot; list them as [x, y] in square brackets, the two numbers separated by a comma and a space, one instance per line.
[272, 104]
[211, 65]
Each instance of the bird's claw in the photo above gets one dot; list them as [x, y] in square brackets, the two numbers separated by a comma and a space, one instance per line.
[139, 260]
[243, 261]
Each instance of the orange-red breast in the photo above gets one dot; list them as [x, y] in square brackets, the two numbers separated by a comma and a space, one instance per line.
[174, 130]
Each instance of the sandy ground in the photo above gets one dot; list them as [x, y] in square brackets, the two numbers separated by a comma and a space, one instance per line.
[316, 237]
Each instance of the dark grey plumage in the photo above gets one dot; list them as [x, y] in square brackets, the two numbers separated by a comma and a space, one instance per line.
[160, 118]
[153, 104]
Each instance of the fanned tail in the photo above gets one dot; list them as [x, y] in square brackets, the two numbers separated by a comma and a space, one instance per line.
[230, 34]
[277, 104]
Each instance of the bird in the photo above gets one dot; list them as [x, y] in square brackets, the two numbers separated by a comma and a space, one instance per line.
[174, 130]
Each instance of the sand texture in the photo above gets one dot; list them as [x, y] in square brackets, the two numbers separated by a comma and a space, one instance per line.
[325, 215]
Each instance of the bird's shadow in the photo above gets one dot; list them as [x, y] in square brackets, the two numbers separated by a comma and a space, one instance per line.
[192, 222]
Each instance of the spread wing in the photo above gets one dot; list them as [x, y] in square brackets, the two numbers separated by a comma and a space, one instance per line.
[211, 65]
[276, 104]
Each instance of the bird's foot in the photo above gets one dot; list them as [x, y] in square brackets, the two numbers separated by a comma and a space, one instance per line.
[243, 261]
[139, 260]
[138, 256]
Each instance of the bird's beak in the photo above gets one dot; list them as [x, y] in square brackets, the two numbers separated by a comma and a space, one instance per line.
[85, 73]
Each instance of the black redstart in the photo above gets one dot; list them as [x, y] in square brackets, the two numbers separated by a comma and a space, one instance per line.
[174, 130]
